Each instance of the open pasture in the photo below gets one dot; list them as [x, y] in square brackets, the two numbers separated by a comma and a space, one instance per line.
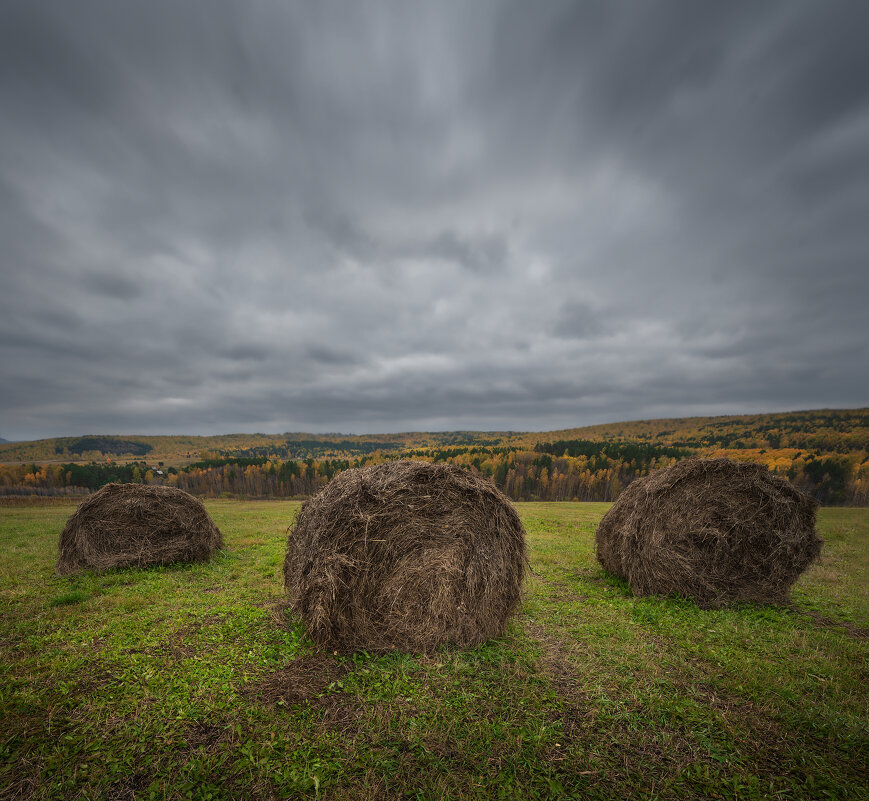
[191, 682]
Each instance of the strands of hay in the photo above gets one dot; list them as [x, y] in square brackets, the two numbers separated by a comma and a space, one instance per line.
[405, 555]
[125, 525]
[304, 679]
[713, 530]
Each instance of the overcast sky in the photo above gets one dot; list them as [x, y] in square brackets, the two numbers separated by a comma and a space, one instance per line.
[367, 217]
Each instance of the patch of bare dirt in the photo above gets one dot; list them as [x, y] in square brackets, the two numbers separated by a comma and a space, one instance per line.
[207, 735]
[563, 592]
[853, 630]
[94, 678]
[577, 712]
[129, 788]
[197, 625]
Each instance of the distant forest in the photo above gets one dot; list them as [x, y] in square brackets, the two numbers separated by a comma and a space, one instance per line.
[824, 453]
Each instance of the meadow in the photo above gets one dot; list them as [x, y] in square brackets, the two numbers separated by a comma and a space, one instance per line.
[191, 682]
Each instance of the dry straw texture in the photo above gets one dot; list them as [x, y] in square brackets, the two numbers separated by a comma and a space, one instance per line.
[125, 525]
[713, 530]
[405, 555]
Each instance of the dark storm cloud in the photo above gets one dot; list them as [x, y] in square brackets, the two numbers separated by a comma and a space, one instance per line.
[378, 216]
[330, 356]
[476, 252]
[246, 353]
[576, 320]
[116, 286]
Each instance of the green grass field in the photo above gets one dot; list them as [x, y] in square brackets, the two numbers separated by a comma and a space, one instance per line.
[189, 682]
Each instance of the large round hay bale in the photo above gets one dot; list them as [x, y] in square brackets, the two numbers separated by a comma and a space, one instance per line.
[126, 525]
[713, 530]
[405, 555]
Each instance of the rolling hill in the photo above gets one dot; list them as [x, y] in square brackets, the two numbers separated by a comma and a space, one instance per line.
[824, 452]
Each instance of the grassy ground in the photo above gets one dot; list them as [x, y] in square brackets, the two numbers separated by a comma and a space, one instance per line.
[188, 682]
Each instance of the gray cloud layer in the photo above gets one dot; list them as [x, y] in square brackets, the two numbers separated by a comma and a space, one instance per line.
[222, 216]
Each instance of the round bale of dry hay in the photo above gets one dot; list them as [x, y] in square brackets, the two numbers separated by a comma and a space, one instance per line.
[127, 525]
[405, 556]
[713, 530]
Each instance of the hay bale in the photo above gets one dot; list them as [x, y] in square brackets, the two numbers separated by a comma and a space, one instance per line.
[714, 530]
[405, 555]
[126, 525]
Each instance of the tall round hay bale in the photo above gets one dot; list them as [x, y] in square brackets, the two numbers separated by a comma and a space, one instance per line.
[714, 530]
[126, 525]
[405, 555]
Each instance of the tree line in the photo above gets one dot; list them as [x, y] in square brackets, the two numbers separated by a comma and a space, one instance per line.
[565, 470]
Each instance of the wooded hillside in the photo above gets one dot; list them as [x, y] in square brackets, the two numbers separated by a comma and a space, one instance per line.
[824, 452]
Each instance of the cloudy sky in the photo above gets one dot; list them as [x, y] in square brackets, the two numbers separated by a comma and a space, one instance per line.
[364, 217]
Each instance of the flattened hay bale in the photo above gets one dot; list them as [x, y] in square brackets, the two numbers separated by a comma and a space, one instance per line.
[713, 530]
[127, 525]
[405, 556]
